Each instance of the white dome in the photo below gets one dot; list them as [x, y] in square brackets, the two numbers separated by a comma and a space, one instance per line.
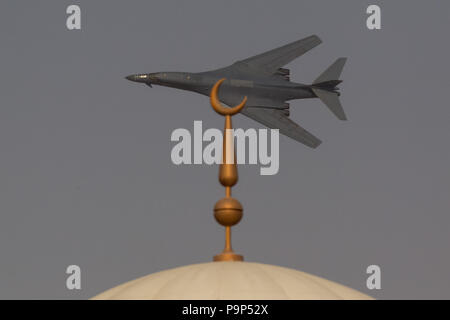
[230, 281]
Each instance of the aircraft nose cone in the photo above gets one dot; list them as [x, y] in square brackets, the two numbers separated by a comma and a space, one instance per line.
[142, 77]
[131, 77]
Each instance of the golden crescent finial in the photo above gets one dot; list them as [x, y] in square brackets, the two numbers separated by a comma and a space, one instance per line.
[218, 107]
[227, 211]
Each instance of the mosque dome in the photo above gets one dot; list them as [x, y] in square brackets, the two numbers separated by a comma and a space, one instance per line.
[231, 281]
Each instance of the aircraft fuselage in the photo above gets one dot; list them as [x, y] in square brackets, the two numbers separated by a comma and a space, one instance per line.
[202, 82]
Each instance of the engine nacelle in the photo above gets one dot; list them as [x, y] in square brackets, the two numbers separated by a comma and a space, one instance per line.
[285, 73]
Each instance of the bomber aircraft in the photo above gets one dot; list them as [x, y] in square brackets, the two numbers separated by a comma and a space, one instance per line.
[266, 84]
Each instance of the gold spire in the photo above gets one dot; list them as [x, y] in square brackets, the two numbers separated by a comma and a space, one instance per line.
[227, 211]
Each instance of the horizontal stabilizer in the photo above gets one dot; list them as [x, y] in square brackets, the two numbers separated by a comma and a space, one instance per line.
[331, 100]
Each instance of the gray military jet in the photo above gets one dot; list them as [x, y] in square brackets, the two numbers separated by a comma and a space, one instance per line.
[266, 84]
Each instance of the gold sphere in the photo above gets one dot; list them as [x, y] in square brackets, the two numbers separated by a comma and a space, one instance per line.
[228, 211]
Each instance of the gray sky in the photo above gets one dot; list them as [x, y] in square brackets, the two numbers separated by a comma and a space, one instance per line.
[85, 170]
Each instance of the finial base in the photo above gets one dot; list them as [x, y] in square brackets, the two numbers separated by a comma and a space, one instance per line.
[228, 256]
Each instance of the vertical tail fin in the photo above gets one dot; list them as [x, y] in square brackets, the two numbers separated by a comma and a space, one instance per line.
[325, 88]
[333, 72]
